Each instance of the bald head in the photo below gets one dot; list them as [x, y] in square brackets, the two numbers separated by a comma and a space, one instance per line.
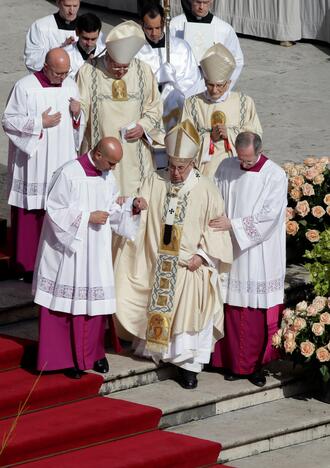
[57, 65]
[107, 153]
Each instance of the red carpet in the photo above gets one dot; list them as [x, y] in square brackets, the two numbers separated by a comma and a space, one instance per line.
[50, 390]
[93, 431]
[75, 425]
[13, 350]
[157, 449]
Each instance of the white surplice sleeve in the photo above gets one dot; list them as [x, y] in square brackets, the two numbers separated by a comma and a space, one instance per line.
[36, 47]
[256, 228]
[21, 128]
[68, 222]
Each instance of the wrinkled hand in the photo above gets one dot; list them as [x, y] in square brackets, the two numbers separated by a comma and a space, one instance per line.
[135, 133]
[220, 224]
[195, 262]
[219, 132]
[121, 200]
[68, 41]
[74, 107]
[98, 217]
[49, 121]
[140, 203]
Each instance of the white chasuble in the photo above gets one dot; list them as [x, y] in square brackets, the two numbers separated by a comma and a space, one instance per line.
[196, 302]
[256, 204]
[221, 32]
[239, 114]
[35, 153]
[74, 272]
[107, 113]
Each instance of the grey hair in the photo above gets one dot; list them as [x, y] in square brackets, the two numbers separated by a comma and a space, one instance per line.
[245, 139]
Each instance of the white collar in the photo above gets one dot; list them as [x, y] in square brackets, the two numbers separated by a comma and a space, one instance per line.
[221, 99]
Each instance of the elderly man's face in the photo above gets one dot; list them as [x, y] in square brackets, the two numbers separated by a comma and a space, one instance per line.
[68, 9]
[247, 156]
[179, 170]
[216, 90]
[153, 28]
[57, 72]
[117, 70]
[200, 8]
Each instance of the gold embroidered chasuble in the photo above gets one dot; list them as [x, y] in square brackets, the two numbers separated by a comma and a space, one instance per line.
[194, 295]
[106, 114]
[240, 114]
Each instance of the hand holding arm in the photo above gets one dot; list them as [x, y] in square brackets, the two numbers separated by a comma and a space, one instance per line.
[220, 224]
[74, 108]
[195, 262]
[98, 217]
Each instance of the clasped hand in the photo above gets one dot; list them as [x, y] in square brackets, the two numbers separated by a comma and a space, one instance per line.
[219, 132]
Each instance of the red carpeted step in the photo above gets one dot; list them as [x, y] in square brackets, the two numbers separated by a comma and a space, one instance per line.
[153, 449]
[50, 390]
[75, 425]
[14, 350]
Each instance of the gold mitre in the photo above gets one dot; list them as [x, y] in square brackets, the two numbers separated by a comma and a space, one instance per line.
[124, 41]
[217, 64]
[182, 141]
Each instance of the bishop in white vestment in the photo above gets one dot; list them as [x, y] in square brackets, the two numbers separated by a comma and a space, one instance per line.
[254, 190]
[210, 30]
[42, 122]
[167, 284]
[74, 281]
[218, 113]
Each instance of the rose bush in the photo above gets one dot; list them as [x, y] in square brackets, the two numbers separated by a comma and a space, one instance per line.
[304, 335]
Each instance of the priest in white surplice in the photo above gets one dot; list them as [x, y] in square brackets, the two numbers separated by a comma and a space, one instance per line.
[177, 79]
[88, 45]
[254, 190]
[74, 281]
[218, 113]
[42, 121]
[200, 28]
[167, 284]
[120, 98]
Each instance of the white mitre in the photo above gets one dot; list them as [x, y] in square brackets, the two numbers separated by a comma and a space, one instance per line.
[124, 41]
[182, 141]
[217, 64]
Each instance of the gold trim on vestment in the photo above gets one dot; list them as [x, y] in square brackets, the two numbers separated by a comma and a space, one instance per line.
[174, 246]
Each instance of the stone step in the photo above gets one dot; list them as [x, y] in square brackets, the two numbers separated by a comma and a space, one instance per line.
[315, 453]
[16, 302]
[263, 428]
[214, 395]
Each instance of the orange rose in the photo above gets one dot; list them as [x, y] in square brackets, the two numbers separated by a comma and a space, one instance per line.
[296, 181]
[276, 340]
[313, 235]
[289, 213]
[307, 190]
[328, 210]
[295, 194]
[312, 310]
[302, 208]
[323, 354]
[320, 166]
[326, 199]
[301, 169]
[301, 306]
[307, 348]
[310, 161]
[318, 211]
[319, 302]
[289, 346]
[325, 159]
[292, 228]
[299, 323]
[325, 318]
[319, 179]
[287, 166]
[311, 173]
[318, 329]
[288, 314]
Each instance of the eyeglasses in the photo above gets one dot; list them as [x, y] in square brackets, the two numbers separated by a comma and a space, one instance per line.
[217, 85]
[180, 169]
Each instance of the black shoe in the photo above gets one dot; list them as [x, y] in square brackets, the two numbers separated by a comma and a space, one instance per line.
[187, 379]
[101, 366]
[257, 378]
[73, 373]
[230, 377]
